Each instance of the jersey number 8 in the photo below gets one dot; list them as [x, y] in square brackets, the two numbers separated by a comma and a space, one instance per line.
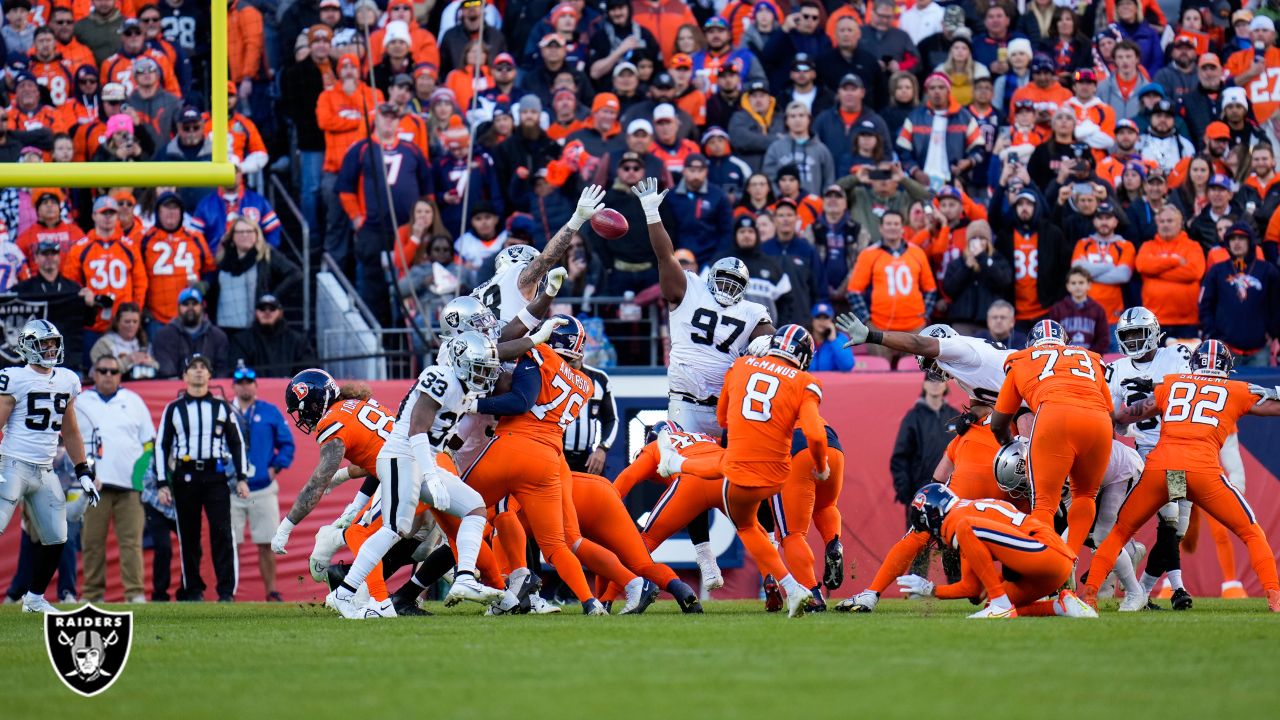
[757, 402]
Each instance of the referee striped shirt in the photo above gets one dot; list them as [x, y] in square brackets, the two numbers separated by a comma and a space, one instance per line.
[198, 429]
[597, 425]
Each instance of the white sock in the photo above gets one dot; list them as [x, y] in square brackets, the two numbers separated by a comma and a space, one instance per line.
[676, 462]
[470, 534]
[1124, 572]
[791, 585]
[1175, 579]
[1002, 603]
[370, 554]
[517, 576]
[32, 597]
[1232, 584]
[1149, 582]
[702, 551]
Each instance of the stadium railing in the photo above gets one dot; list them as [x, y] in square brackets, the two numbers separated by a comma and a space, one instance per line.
[349, 340]
[291, 217]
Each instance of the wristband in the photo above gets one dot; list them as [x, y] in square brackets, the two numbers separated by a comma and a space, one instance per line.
[423, 455]
[287, 525]
[341, 476]
[575, 222]
[527, 318]
[652, 217]
[875, 337]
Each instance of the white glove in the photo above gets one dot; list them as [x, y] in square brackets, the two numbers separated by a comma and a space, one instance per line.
[543, 333]
[650, 199]
[88, 485]
[347, 517]
[915, 587]
[759, 346]
[823, 474]
[589, 203]
[865, 601]
[850, 325]
[1265, 393]
[468, 405]
[439, 493]
[340, 477]
[555, 279]
[281, 537]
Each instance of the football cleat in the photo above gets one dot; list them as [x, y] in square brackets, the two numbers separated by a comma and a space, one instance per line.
[343, 606]
[335, 574]
[817, 603]
[538, 605]
[1089, 596]
[409, 608]
[772, 595]
[645, 593]
[1273, 600]
[592, 606]
[1181, 599]
[669, 459]
[833, 575]
[1233, 590]
[798, 602]
[863, 602]
[711, 577]
[1152, 606]
[1073, 606]
[995, 612]
[1133, 602]
[467, 587]
[329, 540]
[373, 610]
[37, 604]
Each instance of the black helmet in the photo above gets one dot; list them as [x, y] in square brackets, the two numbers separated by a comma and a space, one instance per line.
[308, 397]
[930, 506]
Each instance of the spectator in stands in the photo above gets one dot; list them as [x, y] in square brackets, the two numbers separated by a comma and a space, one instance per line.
[937, 161]
[175, 259]
[755, 127]
[770, 285]
[481, 180]
[528, 149]
[191, 333]
[69, 306]
[800, 148]
[764, 26]
[63, 22]
[1172, 266]
[837, 126]
[270, 346]
[892, 287]
[191, 144]
[629, 261]
[269, 446]
[668, 145]
[133, 46]
[215, 213]
[49, 226]
[798, 257]
[1221, 195]
[1084, 320]
[873, 191]
[847, 58]
[300, 90]
[127, 344]
[600, 127]
[100, 29]
[922, 439]
[158, 107]
[106, 246]
[617, 38]
[1240, 301]
[481, 242]
[702, 212]
[1109, 260]
[1040, 255]
[248, 268]
[123, 142]
[975, 280]
[434, 277]
[1203, 104]
[471, 24]
[1001, 328]
[829, 352]
[130, 227]
[639, 140]
[342, 113]
[116, 423]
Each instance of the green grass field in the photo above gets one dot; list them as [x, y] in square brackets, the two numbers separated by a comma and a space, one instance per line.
[910, 660]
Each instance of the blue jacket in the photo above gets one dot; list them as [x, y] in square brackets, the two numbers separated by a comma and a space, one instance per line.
[1238, 307]
[704, 221]
[1148, 42]
[269, 439]
[210, 217]
[832, 355]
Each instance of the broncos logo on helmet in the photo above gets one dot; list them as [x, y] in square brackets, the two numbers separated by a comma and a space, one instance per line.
[309, 396]
[930, 507]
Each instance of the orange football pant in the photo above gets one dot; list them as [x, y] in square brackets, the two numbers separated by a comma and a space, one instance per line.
[598, 559]
[529, 470]
[1213, 494]
[604, 519]
[742, 502]
[1068, 441]
[486, 563]
[1039, 573]
[355, 537]
[686, 498]
[793, 511]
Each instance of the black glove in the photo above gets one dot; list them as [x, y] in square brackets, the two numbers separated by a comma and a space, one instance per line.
[1139, 384]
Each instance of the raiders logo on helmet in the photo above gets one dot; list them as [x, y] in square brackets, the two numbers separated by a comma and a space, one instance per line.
[88, 647]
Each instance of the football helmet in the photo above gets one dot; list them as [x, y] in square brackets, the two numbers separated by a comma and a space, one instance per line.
[465, 313]
[727, 281]
[930, 507]
[1046, 332]
[1211, 357]
[651, 434]
[34, 345]
[793, 343]
[474, 359]
[309, 396]
[932, 370]
[513, 255]
[567, 340]
[1137, 332]
[1011, 468]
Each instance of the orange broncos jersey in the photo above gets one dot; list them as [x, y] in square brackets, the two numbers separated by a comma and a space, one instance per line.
[362, 425]
[897, 282]
[1048, 373]
[55, 76]
[561, 399]
[1197, 413]
[174, 261]
[1026, 276]
[973, 455]
[645, 466]
[1263, 99]
[1013, 539]
[762, 402]
[108, 266]
[119, 68]
[1116, 251]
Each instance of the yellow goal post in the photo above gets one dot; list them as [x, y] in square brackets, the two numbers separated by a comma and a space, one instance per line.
[218, 173]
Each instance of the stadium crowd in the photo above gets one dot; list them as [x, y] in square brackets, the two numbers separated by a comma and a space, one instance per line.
[913, 161]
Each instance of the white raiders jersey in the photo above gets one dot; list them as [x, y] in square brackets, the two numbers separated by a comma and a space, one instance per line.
[40, 402]
[502, 295]
[1125, 465]
[1168, 361]
[707, 337]
[976, 365]
[440, 385]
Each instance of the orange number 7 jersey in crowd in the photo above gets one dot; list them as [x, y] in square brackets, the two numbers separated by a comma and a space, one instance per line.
[1197, 415]
[760, 407]
[1063, 374]
[362, 425]
[561, 398]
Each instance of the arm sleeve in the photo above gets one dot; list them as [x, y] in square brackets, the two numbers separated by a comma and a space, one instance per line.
[525, 382]
[1009, 399]
[644, 468]
[814, 430]
[164, 440]
[957, 351]
[898, 561]
[608, 419]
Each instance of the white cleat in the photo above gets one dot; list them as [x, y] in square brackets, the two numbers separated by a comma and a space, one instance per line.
[373, 610]
[1074, 607]
[505, 605]
[640, 595]
[467, 587]
[797, 602]
[1133, 601]
[329, 540]
[538, 605]
[37, 604]
[995, 612]
[343, 606]
[711, 577]
[668, 457]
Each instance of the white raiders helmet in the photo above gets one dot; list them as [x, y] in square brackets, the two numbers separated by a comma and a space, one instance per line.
[727, 281]
[933, 371]
[465, 313]
[1011, 468]
[513, 255]
[474, 358]
[32, 344]
[1137, 332]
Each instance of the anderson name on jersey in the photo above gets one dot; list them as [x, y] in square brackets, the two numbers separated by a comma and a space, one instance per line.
[40, 401]
[439, 384]
[707, 337]
[1173, 360]
[976, 365]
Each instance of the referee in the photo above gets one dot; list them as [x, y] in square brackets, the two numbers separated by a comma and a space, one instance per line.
[198, 436]
[588, 439]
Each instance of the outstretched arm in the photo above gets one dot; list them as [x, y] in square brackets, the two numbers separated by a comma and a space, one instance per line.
[512, 349]
[330, 458]
[589, 203]
[670, 275]
[535, 310]
[860, 334]
[1141, 410]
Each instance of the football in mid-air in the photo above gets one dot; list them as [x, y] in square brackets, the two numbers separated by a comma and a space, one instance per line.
[609, 224]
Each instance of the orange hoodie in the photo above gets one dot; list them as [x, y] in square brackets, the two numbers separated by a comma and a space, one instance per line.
[343, 119]
[1171, 272]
